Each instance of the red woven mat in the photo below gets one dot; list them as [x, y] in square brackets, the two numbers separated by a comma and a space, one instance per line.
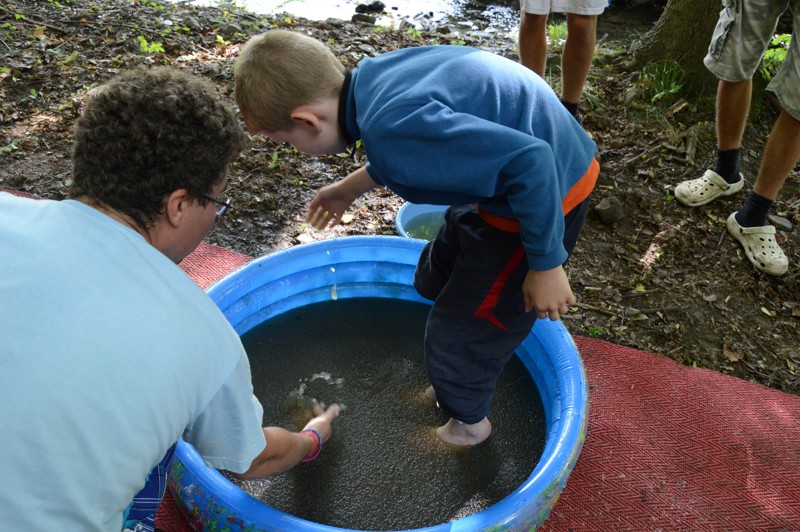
[208, 263]
[671, 447]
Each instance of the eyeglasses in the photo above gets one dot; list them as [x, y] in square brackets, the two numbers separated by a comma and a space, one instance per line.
[222, 206]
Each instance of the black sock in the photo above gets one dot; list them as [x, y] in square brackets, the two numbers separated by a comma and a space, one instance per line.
[755, 210]
[728, 165]
[571, 107]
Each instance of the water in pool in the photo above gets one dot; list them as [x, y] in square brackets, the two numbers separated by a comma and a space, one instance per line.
[384, 468]
[425, 226]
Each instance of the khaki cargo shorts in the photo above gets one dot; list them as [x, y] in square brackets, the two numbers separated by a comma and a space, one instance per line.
[579, 7]
[743, 33]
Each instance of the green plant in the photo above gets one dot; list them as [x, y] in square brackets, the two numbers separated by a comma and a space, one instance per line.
[70, 58]
[274, 162]
[557, 34]
[591, 97]
[10, 147]
[152, 4]
[774, 56]
[595, 331]
[150, 48]
[662, 81]
[414, 33]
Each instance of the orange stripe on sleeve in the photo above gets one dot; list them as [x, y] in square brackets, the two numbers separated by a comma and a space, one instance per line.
[581, 190]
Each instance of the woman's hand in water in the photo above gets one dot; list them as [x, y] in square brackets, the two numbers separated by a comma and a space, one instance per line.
[322, 422]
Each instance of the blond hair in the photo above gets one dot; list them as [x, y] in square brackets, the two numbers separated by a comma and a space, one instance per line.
[277, 72]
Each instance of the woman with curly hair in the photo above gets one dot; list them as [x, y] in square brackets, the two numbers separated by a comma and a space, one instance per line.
[110, 351]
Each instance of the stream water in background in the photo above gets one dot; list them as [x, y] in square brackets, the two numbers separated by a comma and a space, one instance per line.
[500, 15]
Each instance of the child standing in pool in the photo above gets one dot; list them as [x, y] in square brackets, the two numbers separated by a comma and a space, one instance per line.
[448, 125]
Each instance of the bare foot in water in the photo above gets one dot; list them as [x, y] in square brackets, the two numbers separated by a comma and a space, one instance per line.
[430, 393]
[461, 434]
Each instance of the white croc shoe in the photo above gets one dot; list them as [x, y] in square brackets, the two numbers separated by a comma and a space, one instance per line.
[706, 189]
[760, 246]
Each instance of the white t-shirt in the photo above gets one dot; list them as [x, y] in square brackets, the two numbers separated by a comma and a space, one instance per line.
[109, 353]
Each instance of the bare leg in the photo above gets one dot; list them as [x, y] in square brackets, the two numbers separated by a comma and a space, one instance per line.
[463, 435]
[733, 104]
[577, 56]
[533, 42]
[780, 155]
[747, 225]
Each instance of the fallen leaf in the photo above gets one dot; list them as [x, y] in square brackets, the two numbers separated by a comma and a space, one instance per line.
[731, 354]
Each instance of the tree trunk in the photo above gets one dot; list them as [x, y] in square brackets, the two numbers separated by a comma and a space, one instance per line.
[682, 34]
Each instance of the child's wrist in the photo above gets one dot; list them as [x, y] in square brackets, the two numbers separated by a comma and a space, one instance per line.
[316, 438]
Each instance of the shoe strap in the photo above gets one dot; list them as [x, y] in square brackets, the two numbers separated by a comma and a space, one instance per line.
[759, 230]
[717, 180]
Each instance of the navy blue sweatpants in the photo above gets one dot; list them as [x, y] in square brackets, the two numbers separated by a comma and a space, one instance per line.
[474, 273]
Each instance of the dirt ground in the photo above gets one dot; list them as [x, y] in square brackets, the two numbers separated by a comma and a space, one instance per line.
[664, 278]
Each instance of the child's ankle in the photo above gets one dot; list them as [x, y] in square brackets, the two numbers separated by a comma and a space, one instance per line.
[463, 434]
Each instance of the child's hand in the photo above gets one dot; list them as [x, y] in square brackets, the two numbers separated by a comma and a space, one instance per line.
[547, 292]
[327, 207]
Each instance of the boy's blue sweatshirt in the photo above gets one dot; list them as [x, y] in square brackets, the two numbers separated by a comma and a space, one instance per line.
[451, 125]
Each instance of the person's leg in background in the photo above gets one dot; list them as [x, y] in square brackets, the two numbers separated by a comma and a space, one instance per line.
[533, 40]
[576, 59]
[740, 38]
[750, 224]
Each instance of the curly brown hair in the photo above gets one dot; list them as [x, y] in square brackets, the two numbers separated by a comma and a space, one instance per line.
[147, 133]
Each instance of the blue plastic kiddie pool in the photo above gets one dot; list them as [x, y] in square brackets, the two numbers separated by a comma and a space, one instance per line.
[381, 266]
